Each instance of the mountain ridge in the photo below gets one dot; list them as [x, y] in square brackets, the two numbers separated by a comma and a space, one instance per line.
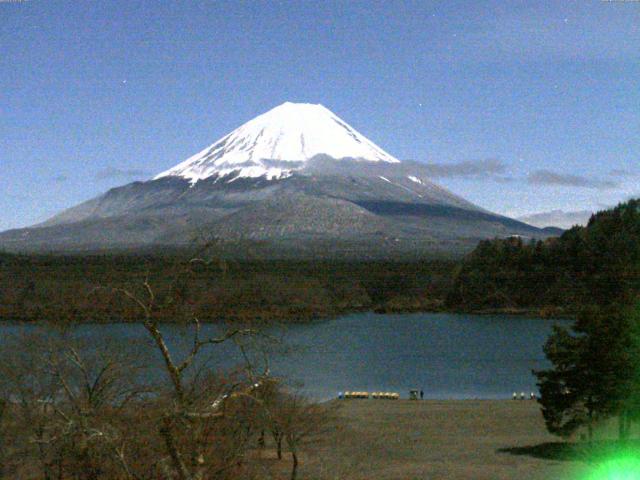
[229, 191]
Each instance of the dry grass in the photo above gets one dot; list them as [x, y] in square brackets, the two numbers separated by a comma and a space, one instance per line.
[467, 439]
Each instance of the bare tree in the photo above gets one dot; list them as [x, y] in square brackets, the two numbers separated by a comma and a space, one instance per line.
[66, 401]
[293, 419]
[193, 412]
[301, 420]
[86, 411]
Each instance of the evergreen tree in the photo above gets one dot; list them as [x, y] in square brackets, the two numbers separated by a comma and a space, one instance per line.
[594, 265]
[595, 371]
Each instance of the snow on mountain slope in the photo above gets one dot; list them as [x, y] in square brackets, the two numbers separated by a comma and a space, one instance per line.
[338, 190]
[276, 143]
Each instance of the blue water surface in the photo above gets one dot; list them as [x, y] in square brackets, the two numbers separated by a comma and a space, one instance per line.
[446, 355]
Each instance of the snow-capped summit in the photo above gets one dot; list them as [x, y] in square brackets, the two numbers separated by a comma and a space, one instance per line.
[274, 144]
[336, 195]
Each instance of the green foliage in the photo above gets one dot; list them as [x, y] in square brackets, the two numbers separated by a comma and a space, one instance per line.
[595, 373]
[559, 396]
[594, 265]
[592, 272]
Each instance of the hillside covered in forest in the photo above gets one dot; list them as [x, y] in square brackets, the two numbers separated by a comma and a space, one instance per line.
[597, 264]
[84, 288]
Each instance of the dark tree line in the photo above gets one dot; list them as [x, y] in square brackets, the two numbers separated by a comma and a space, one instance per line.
[591, 273]
[57, 287]
[598, 264]
[595, 372]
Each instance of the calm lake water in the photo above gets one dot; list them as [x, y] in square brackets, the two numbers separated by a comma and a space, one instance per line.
[447, 355]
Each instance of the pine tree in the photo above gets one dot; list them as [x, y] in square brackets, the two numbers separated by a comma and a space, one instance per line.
[595, 373]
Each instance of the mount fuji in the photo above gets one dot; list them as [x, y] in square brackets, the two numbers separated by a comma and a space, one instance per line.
[278, 142]
[294, 181]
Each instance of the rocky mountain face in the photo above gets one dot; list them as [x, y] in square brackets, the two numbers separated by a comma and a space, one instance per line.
[297, 181]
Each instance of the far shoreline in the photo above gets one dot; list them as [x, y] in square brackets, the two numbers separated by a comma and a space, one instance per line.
[531, 314]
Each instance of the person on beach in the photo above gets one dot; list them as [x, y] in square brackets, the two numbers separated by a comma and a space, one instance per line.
[421, 394]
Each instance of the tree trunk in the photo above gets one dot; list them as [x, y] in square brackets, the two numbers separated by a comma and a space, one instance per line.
[277, 437]
[46, 467]
[174, 455]
[294, 469]
[623, 426]
[173, 371]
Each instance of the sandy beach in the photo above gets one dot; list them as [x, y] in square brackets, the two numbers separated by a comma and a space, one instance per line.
[453, 439]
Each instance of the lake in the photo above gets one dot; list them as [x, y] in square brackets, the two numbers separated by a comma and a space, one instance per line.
[446, 355]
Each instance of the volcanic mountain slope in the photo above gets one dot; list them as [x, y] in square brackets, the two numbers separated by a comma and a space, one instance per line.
[294, 177]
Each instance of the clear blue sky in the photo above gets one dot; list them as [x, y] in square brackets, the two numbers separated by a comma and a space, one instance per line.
[522, 106]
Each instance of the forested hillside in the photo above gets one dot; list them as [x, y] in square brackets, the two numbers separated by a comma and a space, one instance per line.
[594, 265]
[80, 288]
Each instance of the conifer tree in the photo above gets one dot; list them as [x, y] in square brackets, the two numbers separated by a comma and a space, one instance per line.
[595, 371]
